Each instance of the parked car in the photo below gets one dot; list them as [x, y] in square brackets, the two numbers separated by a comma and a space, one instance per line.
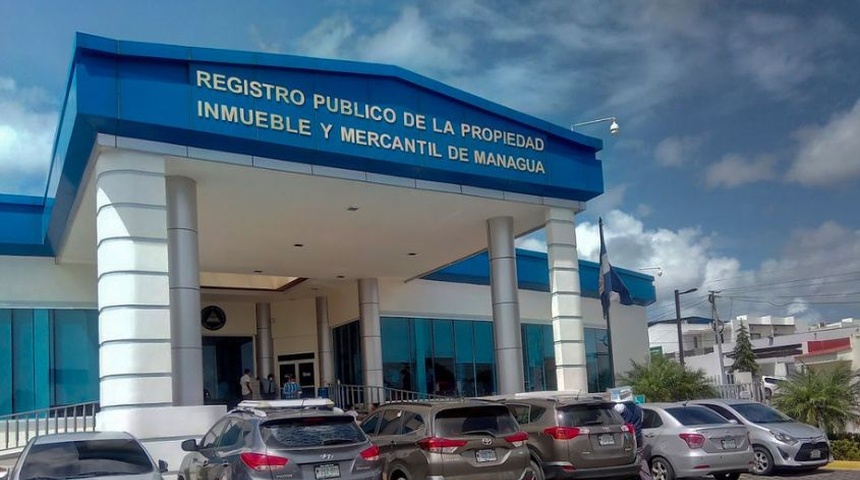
[452, 439]
[280, 439]
[91, 455]
[778, 440]
[683, 440]
[771, 384]
[574, 437]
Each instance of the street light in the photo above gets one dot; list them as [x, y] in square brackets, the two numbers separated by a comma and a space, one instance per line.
[658, 269]
[678, 319]
[613, 127]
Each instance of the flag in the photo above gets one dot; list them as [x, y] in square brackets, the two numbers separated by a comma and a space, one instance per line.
[609, 281]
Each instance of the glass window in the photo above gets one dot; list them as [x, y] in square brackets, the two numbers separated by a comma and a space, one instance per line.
[390, 424]
[587, 415]
[75, 366]
[759, 413]
[722, 411]
[232, 436]
[211, 437]
[443, 358]
[397, 353]
[691, 415]
[485, 359]
[650, 419]
[311, 432]
[85, 458]
[370, 423]
[465, 356]
[412, 423]
[549, 359]
[597, 360]
[23, 361]
[520, 411]
[491, 419]
[5, 361]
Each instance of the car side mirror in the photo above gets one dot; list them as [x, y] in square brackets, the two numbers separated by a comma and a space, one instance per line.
[162, 466]
[189, 445]
[733, 421]
[4, 472]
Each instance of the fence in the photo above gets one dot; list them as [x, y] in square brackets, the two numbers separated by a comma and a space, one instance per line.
[18, 428]
[363, 395]
[743, 391]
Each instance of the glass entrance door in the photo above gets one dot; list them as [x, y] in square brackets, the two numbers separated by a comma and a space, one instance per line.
[302, 371]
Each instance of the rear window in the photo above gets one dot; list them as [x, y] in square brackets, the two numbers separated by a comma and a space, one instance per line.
[85, 458]
[587, 415]
[491, 419]
[304, 432]
[695, 415]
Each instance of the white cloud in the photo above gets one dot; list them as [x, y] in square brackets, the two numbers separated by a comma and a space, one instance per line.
[26, 139]
[830, 154]
[261, 43]
[677, 151]
[329, 38]
[733, 171]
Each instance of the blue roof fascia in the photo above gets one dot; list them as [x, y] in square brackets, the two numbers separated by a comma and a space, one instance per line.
[161, 51]
[533, 274]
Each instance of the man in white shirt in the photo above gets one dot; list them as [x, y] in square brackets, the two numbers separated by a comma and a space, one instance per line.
[245, 385]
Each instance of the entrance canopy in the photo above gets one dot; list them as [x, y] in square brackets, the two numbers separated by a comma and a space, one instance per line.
[305, 167]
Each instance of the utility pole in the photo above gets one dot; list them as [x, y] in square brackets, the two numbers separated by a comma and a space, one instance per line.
[678, 323]
[718, 326]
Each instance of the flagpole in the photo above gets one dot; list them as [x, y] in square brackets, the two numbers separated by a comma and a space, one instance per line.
[611, 353]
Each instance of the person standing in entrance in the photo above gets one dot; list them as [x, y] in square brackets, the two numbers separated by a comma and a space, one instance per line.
[245, 385]
[269, 388]
[291, 389]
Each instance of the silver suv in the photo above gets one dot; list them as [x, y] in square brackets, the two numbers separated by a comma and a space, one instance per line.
[280, 439]
[460, 439]
[778, 440]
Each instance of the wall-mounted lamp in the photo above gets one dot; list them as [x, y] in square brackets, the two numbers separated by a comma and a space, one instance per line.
[613, 127]
[659, 270]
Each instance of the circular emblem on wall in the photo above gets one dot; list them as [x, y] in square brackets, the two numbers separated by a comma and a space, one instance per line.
[213, 318]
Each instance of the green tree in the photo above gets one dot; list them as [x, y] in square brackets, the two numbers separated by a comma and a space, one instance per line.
[665, 380]
[828, 398]
[743, 354]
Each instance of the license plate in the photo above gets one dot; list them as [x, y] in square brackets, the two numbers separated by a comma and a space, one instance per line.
[330, 470]
[606, 439]
[815, 454]
[729, 444]
[485, 456]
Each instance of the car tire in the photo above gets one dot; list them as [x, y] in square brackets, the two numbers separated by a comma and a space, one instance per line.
[727, 476]
[762, 461]
[534, 464]
[661, 469]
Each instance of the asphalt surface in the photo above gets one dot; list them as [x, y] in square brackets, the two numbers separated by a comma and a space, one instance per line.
[820, 474]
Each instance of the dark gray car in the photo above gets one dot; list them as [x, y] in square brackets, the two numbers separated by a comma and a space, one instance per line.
[90, 455]
[449, 440]
[267, 444]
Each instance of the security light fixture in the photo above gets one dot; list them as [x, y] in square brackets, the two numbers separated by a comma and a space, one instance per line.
[659, 270]
[614, 128]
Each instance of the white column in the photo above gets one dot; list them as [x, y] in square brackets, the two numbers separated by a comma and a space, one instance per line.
[506, 305]
[566, 296]
[326, 365]
[136, 369]
[371, 332]
[134, 298]
[265, 343]
[184, 262]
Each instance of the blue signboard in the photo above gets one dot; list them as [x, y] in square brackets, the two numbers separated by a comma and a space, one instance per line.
[365, 117]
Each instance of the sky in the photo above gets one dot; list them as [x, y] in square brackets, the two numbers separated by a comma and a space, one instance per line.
[738, 162]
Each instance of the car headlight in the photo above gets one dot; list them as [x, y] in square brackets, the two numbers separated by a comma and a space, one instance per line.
[784, 437]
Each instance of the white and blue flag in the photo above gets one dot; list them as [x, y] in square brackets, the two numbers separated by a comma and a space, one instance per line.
[609, 281]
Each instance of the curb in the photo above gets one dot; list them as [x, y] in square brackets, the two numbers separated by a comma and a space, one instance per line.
[843, 465]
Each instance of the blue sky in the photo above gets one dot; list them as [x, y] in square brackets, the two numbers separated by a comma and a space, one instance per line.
[737, 167]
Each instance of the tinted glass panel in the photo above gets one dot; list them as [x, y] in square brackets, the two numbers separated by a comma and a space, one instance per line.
[495, 420]
[412, 422]
[370, 423]
[76, 356]
[695, 415]
[587, 415]
[85, 458]
[311, 432]
[722, 411]
[390, 424]
[650, 419]
[758, 413]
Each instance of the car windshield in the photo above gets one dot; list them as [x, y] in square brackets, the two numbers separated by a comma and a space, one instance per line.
[758, 413]
[304, 432]
[494, 420]
[690, 415]
[586, 415]
[85, 459]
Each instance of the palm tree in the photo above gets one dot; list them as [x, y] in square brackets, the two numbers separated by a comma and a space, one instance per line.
[828, 398]
[665, 380]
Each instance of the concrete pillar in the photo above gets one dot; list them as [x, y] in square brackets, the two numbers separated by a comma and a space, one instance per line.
[506, 305]
[265, 345]
[134, 297]
[184, 261]
[371, 332]
[133, 285]
[326, 363]
[565, 294]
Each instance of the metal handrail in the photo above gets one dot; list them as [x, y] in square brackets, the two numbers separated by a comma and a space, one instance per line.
[17, 429]
[362, 396]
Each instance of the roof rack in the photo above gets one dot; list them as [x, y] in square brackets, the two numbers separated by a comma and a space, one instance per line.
[259, 407]
[556, 395]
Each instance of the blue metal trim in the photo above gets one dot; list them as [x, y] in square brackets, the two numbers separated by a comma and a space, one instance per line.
[533, 274]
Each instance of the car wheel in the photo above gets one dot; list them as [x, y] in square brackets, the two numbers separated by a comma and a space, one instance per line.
[536, 469]
[762, 461]
[727, 476]
[661, 469]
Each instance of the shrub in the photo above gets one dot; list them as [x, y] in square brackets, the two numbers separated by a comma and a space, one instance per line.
[845, 449]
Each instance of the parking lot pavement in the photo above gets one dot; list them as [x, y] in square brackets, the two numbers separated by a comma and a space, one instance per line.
[820, 474]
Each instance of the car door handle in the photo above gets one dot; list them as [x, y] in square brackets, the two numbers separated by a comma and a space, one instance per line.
[650, 435]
